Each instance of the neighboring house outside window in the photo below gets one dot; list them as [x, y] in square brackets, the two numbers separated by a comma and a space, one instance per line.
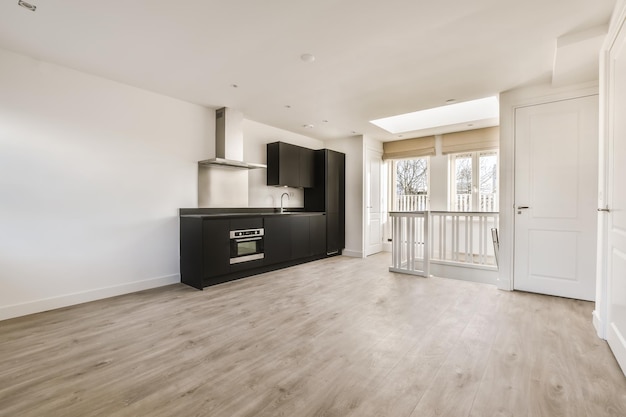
[474, 181]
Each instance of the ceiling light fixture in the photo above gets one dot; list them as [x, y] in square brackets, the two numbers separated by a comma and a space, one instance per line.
[307, 57]
[27, 6]
[451, 114]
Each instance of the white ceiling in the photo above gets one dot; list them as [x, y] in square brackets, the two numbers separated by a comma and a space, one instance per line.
[373, 58]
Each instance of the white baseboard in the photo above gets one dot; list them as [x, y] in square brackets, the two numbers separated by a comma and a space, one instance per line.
[598, 324]
[37, 306]
[352, 253]
[504, 284]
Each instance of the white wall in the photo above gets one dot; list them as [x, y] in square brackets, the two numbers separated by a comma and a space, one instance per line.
[354, 148]
[92, 173]
[439, 179]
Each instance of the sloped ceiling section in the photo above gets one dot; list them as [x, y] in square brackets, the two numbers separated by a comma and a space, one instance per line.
[576, 58]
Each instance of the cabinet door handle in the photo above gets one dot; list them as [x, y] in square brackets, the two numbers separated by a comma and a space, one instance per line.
[522, 207]
[604, 209]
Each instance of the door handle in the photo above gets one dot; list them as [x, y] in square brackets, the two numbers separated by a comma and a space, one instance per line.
[604, 209]
[522, 207]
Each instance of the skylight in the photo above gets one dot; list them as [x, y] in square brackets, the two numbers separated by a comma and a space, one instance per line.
[465, 112]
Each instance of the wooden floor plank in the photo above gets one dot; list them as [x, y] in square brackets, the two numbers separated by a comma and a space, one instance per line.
[337, 337]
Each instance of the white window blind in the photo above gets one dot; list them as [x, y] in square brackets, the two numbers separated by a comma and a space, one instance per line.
[409, 148]
[471, 140]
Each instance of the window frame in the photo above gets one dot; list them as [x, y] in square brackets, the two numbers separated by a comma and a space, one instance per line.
[393, 180]
[475, 187]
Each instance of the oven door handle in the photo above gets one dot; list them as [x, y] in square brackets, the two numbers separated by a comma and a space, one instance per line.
[250, 239]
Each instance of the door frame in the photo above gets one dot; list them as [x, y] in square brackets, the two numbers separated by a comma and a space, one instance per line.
[601, 312]
[510, 101]
[584, 288]
[369, 152]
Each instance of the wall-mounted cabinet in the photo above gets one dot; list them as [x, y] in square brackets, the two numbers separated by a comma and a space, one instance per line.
[289, 165]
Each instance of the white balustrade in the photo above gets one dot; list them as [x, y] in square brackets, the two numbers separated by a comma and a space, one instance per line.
[442, 237]
[412, 202]
[486, 202]
[410, 243]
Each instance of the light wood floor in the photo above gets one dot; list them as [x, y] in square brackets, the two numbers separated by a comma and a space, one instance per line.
[338, 337]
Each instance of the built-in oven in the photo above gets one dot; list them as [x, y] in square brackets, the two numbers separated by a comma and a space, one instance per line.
[246, 245]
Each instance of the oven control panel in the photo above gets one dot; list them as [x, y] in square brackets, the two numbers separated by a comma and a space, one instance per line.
[235, 234]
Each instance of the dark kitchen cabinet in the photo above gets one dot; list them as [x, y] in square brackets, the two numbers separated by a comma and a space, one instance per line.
[293, 237]
[205, 244]
[306, 173]
[300, 245]
[317, 235]
[277, 239]
[328, 195]
[289, 165]
[204, 250]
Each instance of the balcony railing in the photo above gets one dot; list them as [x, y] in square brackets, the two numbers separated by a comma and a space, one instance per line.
[441, 237]
[462, 202]
[412, 202]
[486, 202]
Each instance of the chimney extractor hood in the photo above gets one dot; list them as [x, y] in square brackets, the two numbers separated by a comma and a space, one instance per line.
[229, 141]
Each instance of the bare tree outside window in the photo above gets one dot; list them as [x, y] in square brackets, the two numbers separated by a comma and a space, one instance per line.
[411, 184]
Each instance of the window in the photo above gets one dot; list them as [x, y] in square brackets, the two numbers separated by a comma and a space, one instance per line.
[474, 181]
[410, 177]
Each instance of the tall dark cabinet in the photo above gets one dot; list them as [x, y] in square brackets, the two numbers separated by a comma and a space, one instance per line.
[328, 194]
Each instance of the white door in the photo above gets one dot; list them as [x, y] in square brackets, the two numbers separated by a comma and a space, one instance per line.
[373, 222]
[616, 222]
[556, 177]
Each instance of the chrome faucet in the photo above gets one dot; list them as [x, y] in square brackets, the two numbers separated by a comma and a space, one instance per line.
[282, 210]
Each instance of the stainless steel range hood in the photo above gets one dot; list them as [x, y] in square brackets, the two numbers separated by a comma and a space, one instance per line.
[229, 141]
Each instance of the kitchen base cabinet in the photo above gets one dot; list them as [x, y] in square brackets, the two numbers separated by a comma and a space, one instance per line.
[204, 250]
[205, 245]
[277, 239]
[300, 245]
[317, 235]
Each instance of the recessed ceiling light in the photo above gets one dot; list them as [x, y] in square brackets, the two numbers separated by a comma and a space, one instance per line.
[468, 111]
[234, 86]
[324, 121]
[287, 106]
[307, 57]
[26, 5]
[309, 126]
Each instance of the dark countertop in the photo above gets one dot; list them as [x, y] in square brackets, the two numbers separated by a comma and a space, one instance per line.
[244, 212]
